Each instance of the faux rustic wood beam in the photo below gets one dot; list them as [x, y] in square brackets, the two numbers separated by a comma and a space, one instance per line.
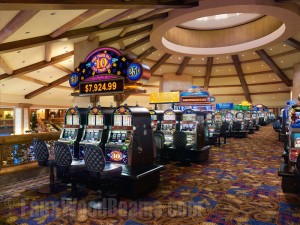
[63, 68]
[51, 85]
[137, 43]
[151, 13]
[3, 64]
[72, 34]
[77, 20]
[123, 32]
[146, 53]
[274, 67]
[94, 4]
[294, 43]
[48, 52]
[18, 21]
[117, 18]
[134, 33]
[37, 66]
[183, 64]
[161, 61]
[239, 70]
[43, 83]
[209, 65]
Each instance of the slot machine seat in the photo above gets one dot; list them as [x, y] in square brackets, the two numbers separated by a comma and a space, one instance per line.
[181, 147]
[71, 172]
[105, 174]
[41, 153]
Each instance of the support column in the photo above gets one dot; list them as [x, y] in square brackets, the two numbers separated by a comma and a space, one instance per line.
[21, 118]
[296, 83]
[94, 99]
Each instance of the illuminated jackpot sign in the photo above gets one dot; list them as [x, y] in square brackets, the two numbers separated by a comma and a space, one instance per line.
[110, 61]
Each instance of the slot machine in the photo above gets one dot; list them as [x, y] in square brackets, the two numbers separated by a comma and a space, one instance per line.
[189, 126]
[294, 134]
[93, 130]
[75, 120]
[239, 117]
[170, 123]
[156, 118]
[218, 120]
[209, 119]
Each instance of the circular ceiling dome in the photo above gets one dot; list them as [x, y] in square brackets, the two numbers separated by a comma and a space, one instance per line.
[220, 21]
[222, 27]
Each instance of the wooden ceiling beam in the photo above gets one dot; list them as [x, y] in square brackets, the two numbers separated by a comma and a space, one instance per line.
[294, 43]
[209, 65]
[94, 4]
[3, 64]
[134, 33]
[137, 43]
[43, 83]
[77, 20]
[37, 66]
[48, 52]
[123, 32]
[18, 21]
[183, 64]
[274, 67]
[72, 34]
[117, 18]
[146, 53]
[63, 68]
[239, 70]
[151, 13]
[256, 84]
[46, 88]
[161, 61]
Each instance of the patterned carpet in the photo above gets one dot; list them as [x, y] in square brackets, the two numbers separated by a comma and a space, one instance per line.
[238, 185]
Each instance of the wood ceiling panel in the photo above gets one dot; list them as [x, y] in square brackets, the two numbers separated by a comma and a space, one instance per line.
[259, 66]
[248, 55]
[227, 90]
[288, 60]
[278, 48]
[13, 87]
[268, 88]
[99, 18]
[270, 77]
[25, 57]
[43, 23]
[195, 71]
[7, 16]
[224, 81]
[222, 70]
[222, 59]
[48, 74]
[135, 39]
[198, 81]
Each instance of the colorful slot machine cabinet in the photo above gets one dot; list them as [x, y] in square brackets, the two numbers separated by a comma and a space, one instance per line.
[75, 120]
[255, 120]
[93, 130]
[130, 143]
[189, 126]
[239, 117]
[209, 118]
[170, 123]
[294, 133]
[248, 122]
[218, 120]
[156, 118]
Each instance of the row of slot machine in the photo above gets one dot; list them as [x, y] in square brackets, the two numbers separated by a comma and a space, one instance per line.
[245, 118]
[189, 121]
[123, 133]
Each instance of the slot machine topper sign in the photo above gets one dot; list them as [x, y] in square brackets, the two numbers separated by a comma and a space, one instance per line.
[108, 70]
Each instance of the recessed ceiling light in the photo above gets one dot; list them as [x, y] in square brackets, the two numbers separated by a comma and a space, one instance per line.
[38, 71]
[254, 81]
[248, 67]
[217, 58]
[53, 13]
[159, 69]
[271, 49]
[199, 70]
[262, 64]
[254, 53]
[158, 54]
[193, 59]
[243, 55]
[279, 88]
[18, 51]
[284, 45]
[27, 32]
[24, 89]
[50, 76]
[227, 57]
[171, 57]
[217, 70]
[229, 69]
[143, 49]
[273, 97]
[23, 61]
[270, 75]
[202, 58]
[273, 79]
[65, 47]
[3, 85]
[179, 58]
[49, 93]
[257, 90]
[70, 60]
[135, 39]
[281, 61]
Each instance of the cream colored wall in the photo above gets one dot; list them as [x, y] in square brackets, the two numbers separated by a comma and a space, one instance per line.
[296, 82]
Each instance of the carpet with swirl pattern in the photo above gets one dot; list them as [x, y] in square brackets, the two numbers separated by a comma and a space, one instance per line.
[238, 185]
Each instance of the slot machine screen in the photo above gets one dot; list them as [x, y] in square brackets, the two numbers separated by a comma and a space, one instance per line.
[113, 137]
[185, 127]
[116, 155]
[153, 117]
[66, 134]
[97, 136]
[87, 136]
[91, 120]
[75, 120]
[69, 119]
[296, 140]
[99, 120]
[118, 120]
[123, 137]
[189, 117]
[118, 136]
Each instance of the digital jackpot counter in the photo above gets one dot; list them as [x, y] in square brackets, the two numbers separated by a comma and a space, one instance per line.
[170, 123]
[130, 143]
[75, 120]
[92, 134]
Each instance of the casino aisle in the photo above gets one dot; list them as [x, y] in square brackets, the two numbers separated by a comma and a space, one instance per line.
[238, 185]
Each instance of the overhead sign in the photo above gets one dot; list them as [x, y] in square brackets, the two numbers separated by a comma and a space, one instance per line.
[195, 95]
[220, 106]
[164, 97]
[110, 61]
